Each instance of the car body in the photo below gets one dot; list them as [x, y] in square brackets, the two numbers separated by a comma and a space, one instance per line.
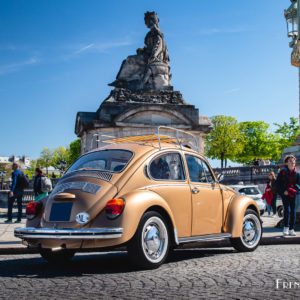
[149, 196]
[253, 192]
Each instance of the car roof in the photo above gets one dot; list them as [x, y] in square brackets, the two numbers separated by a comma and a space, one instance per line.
[143, 148]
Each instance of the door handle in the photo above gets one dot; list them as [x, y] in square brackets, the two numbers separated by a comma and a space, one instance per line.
[195, 191]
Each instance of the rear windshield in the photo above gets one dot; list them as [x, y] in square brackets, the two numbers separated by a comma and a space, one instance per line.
[106, 160]
[249, 191]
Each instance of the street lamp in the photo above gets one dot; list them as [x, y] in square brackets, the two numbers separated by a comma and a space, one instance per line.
[292, 18]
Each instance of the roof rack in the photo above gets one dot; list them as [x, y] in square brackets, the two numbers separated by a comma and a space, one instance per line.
[149, 136]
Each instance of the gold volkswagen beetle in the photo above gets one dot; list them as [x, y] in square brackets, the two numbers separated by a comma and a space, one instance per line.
[149, 193]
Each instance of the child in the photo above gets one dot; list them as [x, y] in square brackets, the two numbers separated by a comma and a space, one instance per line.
[268, 196]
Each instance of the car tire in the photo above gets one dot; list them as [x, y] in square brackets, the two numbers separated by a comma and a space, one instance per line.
[56, 257]
[280, 211]
[251, 233]
[149, 247]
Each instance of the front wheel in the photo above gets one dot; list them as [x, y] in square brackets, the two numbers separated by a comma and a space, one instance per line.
[150, 245]
[251, 233]
[57, 257]
[280, 211]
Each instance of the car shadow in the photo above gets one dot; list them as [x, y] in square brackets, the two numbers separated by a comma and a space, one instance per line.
[85, 264]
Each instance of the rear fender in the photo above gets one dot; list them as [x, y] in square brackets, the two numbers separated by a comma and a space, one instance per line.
[136, 204]
[236, 212]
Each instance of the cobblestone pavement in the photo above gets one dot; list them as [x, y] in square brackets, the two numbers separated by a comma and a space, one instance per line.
[189, 274]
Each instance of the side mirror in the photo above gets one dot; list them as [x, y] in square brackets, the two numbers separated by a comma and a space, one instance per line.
[220, 177]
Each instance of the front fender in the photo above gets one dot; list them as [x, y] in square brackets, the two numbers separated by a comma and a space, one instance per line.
[236, 212]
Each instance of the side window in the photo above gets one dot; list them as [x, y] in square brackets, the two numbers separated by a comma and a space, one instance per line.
[167, 166]
[209, 175]
[198, 170]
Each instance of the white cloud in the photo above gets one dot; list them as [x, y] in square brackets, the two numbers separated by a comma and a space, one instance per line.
[212, 31]
[232, 91]
[17, 66]
[84, 49]
[101, 47]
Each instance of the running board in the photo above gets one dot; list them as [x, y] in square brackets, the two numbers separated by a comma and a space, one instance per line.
[208, 237]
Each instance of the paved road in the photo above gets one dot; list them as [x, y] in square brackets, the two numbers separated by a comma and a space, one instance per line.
[190, 274]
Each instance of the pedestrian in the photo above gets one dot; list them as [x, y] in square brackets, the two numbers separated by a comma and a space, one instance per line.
[272, 182]
[261, 162]
[37, 185]
[256, 162]
[267, 162]
[272, 162]
[287, 183]
[268, 196]
[19, 183]
[53, 175]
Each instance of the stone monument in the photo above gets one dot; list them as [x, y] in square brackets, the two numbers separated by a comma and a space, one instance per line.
[142, 97]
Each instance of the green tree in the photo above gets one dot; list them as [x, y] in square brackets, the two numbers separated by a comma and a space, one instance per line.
[46, 158]
[224, 141]
[60, 153]
[287, 133]
[258, 142]
[75, 151]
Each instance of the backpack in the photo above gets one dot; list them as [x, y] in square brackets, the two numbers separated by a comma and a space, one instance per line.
[46, 184]
[22, 181]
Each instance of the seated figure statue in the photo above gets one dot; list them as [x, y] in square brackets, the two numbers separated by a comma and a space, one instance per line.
[149, 68]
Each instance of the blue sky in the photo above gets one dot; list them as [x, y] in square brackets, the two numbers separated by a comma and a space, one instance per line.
[57, 57]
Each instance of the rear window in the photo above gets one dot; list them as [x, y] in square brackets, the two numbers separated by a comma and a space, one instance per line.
[249, 191]
[106, 160]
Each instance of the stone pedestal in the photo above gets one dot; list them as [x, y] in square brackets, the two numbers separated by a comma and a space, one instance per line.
[125, 112]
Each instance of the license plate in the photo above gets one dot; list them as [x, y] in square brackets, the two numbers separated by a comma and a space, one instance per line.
[61, 211]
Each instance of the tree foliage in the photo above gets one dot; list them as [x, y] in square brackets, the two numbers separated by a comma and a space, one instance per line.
[75, 151]
[287, 133]
[258, 142]
[60, 153]
[225, 140]
[46, 158]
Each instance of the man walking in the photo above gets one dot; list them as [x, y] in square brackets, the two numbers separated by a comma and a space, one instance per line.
[16, 192]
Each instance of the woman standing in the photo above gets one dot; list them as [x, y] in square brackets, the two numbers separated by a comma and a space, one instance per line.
[288, 181]
[272, 182]
[37, 185]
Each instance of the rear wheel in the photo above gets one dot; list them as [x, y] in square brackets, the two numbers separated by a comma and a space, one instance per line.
[251, 233]
[60, 256]
[150, 245]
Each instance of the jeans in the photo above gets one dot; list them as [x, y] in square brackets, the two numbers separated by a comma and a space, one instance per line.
[17, 195]
[273, 203]
[289, 211]
[269, 207]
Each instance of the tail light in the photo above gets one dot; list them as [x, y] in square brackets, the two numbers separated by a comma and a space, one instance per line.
[33, 209]
[114, 208]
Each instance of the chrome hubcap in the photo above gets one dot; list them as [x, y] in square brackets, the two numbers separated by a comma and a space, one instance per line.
[154, 239]
[251, 230]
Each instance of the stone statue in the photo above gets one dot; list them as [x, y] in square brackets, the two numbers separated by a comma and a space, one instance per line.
[149, 68]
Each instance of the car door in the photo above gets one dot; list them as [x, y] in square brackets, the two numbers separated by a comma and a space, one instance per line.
[168, 179]
[206, 197]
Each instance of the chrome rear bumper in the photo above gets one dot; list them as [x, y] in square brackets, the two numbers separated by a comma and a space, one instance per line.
[62, 234]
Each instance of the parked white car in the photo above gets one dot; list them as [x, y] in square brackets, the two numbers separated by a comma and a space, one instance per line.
[253, 192]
